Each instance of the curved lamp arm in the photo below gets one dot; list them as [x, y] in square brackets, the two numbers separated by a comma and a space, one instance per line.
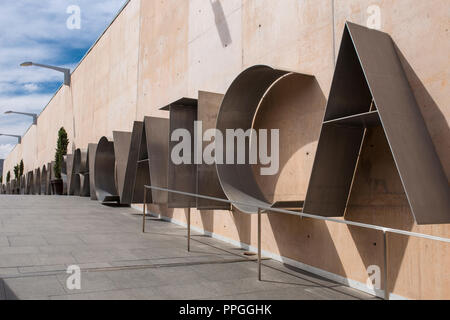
[59, 69]
[34, 115]
[19, 138]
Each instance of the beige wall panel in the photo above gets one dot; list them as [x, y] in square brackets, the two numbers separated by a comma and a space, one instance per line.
[83, 97]
[215, 45]
[294, 36]
[13, 158]
[123, 68]
[163, 57]
[57, 114]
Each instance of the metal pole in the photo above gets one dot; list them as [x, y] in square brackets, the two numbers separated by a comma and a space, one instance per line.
[144, 210]
[189, 230]
[259, 244]
[386, 287]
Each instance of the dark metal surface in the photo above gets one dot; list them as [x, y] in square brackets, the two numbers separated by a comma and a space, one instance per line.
[76, 184]
[44, 180]
[37, 181]
[136, 176]
[183, 177]
[69, 171]
[122, 143]
[92, 150]
[332, 174]
[368, 67]
[23, 184]
[85, 190]
[365, 120]
[30, 183]
[80, 161]
[104, 169]
[208, 183]
[157, 136]
[50, 177]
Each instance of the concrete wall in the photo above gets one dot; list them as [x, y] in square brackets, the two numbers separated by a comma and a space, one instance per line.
[158, 51]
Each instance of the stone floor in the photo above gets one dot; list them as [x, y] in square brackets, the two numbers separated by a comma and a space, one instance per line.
[41, 236]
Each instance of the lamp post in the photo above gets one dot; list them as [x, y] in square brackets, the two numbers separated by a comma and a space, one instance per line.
[63, 70]
[19, 138]
[34, 115]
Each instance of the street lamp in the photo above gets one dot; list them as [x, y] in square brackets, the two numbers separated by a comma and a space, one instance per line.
[34, 115]
[63, 70]
[19, 138]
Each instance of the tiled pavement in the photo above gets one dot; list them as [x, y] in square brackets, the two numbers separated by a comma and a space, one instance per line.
[40, 236]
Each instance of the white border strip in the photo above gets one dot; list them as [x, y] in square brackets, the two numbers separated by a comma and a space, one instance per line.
[319, 272]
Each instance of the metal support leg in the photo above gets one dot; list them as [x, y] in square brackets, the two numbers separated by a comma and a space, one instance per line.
[189, 230]
[386, 286]
[259, 244]
[144, 210]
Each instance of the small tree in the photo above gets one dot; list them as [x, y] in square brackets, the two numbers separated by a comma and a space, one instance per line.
[16, 172]
[8, 177]
[21, 168]
[61, 151]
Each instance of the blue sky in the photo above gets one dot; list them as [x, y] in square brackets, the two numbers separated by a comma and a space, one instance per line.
[37, 31]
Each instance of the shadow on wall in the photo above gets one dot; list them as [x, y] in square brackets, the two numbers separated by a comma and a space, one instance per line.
[221, 23]
[436, 123]
[207, 218]
[299, 113]
[378, 196]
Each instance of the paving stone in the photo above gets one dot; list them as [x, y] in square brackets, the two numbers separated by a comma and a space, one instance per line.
[32, 287]
[26, 241]
[41, 236]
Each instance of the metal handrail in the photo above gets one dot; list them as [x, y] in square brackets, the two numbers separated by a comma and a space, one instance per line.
[306, 215]
[267, 209]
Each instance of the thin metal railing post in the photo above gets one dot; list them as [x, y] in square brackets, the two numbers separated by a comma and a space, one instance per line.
[259, 244]
[144, 210]
[386, 285]
[189, 230]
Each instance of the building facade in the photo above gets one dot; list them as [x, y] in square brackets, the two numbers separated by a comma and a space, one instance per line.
[155, 52]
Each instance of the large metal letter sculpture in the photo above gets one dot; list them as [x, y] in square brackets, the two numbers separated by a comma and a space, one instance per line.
[122, 142]
[208, 183]
[157, 137]
[136, 173]
[370, 88]
[37, 181]
[30, 183]
[105, 162]
[238, 112]
[92, 150]
[182, 177]
[81, 169]
[44, 180]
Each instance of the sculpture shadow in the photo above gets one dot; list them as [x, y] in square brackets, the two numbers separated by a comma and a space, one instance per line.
[378, 197]
[221, 23]
[296, 107]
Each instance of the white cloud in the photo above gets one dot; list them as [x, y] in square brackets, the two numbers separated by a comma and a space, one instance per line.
[36, 31]
[27, 103]
[31, 87]
[5, 149]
